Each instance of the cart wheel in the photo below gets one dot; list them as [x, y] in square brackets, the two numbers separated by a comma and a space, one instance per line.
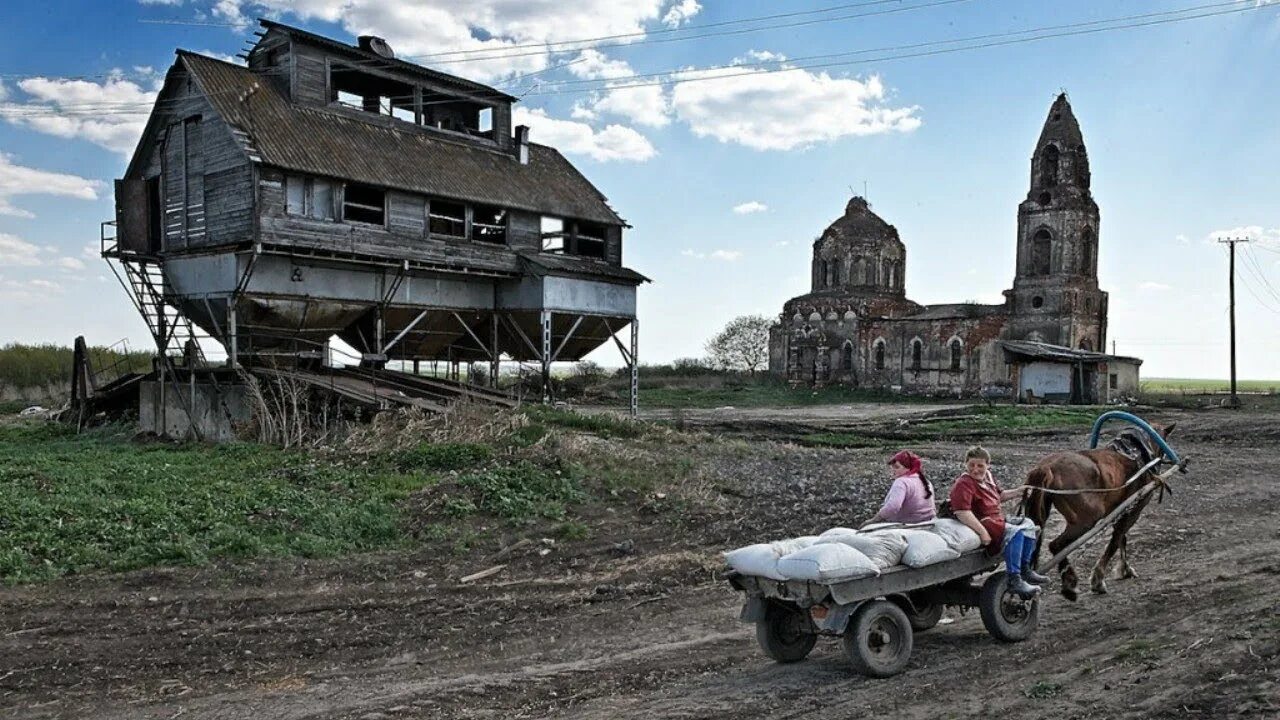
[878, 641]
[1007, 616]
[926, 616]
[785, 634]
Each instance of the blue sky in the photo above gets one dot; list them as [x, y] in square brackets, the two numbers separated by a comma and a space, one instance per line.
[1179, 119]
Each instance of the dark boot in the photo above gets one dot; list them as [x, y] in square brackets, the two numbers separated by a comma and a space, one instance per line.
[1034, 577]
[1020, 587]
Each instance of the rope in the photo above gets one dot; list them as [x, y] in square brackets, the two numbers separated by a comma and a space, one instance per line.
[1082, 491]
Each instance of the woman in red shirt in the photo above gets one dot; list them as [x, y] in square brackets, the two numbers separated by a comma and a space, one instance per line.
[975, 500]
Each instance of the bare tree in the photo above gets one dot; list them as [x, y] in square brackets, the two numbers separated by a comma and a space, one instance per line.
[743, 344]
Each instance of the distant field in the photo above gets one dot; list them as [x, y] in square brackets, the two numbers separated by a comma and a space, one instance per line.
[1195, 385]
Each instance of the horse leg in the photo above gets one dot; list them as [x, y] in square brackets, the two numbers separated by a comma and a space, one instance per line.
[1122, 527]
[1098, 579]
[1069, 578]
[1126, 570]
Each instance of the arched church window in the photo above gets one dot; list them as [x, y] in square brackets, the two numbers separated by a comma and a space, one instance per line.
[886, 274]
[1086, 344]
[822, 273]
[1041, 252]
[957, 353]
[871, 272]
[835, 273]
[846, 357]
[879, 354]
[1049, 166]
[1045, 198]
[917, 352]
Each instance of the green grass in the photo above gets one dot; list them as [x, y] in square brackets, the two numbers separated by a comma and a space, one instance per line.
[1194, 385]
[990, 419]
[97, 501]
[763, 394]
[602, 425]
[1043, 690]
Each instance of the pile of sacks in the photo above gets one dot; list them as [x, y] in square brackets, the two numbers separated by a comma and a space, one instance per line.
[842, 554]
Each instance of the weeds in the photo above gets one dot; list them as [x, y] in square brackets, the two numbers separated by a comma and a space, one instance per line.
[523, 491]
[1043, 690]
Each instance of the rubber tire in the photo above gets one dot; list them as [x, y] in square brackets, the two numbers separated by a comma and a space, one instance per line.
[878, 615]
[1001, 628]
[776, 636]
[926, 616]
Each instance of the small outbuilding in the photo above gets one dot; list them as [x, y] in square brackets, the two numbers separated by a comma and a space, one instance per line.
[1052, 373]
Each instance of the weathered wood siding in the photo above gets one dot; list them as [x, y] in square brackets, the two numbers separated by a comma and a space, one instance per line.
[524, 230]
[206, 179]
[310, 75]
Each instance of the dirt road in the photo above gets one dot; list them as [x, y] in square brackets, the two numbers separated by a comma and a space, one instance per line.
[635, 624]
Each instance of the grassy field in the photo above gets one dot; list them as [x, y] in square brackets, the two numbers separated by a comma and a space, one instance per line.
[979, 421]
[764, 394]
[100, 500]
[1193, 385]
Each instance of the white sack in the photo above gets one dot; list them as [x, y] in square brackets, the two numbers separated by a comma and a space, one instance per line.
[762, 558]
[926, 548]
[838, 531]
[884, 548]
[958, 535]
[826, 563]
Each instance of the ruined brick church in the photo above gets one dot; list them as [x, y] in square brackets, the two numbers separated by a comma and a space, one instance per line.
[857, 327]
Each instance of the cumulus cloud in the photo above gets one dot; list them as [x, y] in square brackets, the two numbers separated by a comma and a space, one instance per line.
[14, 251]
[785, 109]
[69, 263]
[725, 255]
[680, 12]
[111, 113]
[421, 27]
[18, 180]
[644, 105]
[747, 208]
[614, 142]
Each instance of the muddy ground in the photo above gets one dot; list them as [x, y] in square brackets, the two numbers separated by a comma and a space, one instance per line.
[635, 623]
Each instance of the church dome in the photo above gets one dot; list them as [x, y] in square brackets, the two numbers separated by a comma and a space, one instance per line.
[859, 255]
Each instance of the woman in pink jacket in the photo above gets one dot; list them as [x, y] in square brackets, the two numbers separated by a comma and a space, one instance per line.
[910, 498]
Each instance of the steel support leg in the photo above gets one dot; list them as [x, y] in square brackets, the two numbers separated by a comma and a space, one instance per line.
[495, 365]
[546, 356]
[635, 367]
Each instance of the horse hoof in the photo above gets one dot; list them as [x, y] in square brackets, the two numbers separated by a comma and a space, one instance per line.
[1128, 574]
[1099, 588]
[1070, 594]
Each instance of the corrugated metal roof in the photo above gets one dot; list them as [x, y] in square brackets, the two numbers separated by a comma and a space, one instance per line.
[317, 141]
[561, 264]
[1058, 353]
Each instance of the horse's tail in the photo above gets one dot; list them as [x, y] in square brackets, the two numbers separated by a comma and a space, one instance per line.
[1039, 504]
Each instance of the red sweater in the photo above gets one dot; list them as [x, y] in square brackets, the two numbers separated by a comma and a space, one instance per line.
[983, 500]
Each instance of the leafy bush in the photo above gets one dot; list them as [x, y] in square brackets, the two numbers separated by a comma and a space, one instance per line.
[523, 491]
[443, 457]
[40, 365]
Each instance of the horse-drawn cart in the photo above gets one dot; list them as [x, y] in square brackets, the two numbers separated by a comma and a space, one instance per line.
[878, 616]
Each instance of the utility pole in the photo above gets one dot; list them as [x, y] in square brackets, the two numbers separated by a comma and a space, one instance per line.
[1231, 289]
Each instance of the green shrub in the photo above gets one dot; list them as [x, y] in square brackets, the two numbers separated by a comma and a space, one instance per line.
[443, 457]
[523, 491]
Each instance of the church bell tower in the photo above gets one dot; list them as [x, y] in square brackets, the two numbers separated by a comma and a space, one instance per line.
[1055, 296]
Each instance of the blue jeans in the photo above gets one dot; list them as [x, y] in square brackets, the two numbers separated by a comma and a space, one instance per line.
[1019, 548]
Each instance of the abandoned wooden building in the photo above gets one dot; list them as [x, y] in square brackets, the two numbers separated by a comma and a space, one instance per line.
[857, 327]
[327, 189]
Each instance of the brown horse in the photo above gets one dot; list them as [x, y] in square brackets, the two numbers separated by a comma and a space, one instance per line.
[1095, 472]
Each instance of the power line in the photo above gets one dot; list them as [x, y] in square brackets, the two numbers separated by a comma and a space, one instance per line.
[1070, 30]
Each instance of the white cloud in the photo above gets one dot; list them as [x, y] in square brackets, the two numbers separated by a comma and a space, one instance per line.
[18, 180]
[680, 12]
[784, 110]
[69, 263]
[1152, 285]
[420, 27]
[760, 56]
[645, 105]
[725, 255]
[16, 251]
[1182, 239]
[110, 114]
[753, 206]
[4, 91]
[614, 142]
[222, 56]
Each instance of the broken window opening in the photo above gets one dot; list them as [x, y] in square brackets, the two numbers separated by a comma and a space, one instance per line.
[589, 240]
[448, 112]
[1037, 302]
[310, 197]
[553, 235]
[364, 204]
[371, 93]
[917, 352]
[489, 224]
[1113, 381]
[879, 351]
[957, 352]
[447, 219]
[846, 357]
